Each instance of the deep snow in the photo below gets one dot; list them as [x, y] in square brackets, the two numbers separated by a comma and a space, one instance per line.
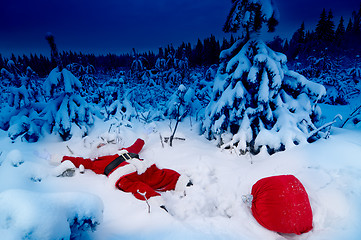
[330, 170]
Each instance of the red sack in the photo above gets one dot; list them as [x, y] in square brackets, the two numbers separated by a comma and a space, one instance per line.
[281, 204]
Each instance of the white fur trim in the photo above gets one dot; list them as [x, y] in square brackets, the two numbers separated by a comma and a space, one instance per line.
[57, 171]
[140, 165]
[181, 184]
[156, 201]
[120, 152]
[120, 172]
[55, 159]
[81, 168]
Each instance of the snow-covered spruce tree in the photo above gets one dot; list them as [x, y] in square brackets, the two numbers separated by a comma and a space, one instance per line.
[170, 71]
[183, 102]
[20, 116]
[257, 102]
[122, 107]
[138, 66]
[180, 104]
[65, 106]
[251, 15]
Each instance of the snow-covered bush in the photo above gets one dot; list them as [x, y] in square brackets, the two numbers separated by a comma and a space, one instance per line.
[183, 102]
[251, 15]
[65, 105]
[177, 106]
[41, 216]
[19, 116]
[169, 72]
[123, 108]
[138, 66]
[338, 75]
[258, 102]
[86, 75]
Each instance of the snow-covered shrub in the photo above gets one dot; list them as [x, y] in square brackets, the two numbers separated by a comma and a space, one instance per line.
[203, 84]
[65, 105]
[178, 105]
[138, 66]
[12, 74]
[251, 15]
[21, 86]
[19, 116]
[170, 72]
[258, 102]
[122, 107]
[211, 72]
[85, 74]
[183, 102]
[41, 216]
[337, 74]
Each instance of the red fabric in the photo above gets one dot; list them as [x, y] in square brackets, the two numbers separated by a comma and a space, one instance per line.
[136, 146]
[152, 181]
[281, 204]
[98, 165]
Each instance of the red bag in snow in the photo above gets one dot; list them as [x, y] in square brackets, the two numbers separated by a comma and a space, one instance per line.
[281, 204]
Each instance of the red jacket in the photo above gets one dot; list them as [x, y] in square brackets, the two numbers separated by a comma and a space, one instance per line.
[98, 165]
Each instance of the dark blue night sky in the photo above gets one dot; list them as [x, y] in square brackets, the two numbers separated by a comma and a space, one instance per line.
[116, 26]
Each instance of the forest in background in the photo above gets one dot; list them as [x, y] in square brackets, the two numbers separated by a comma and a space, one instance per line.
[313, 52]
[216, 84]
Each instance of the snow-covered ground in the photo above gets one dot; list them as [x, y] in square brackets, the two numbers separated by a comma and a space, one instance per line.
[34, 204]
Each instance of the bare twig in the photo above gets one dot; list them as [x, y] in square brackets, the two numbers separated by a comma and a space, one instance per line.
[146, 199]
[355, 112]
[166, 139]
[176, 125]
[69, 149]
[327, 125]
[161, 140]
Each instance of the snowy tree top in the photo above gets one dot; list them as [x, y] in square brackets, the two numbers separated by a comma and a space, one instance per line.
[61, 78]
[251, 14]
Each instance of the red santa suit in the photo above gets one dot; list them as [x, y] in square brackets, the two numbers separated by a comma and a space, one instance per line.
[130, 174]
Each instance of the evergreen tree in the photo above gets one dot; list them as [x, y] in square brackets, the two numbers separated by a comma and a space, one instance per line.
[340, 32]
[297, 42]
[257, 102]
[286, 46]
[197, 54]
[325, 27]
[225, 44]
[251, 15]
[211, 51]
[349, 26]
[321, 25]
[65, 105]
[330, 27]
[138, 67]
[2, 64]
[179, 105]
[276, 44]
[356, 20]
[18, 118]
[55, 58]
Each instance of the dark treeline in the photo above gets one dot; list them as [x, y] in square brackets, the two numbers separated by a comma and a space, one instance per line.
[341, 39]
[327, 39]
[204, 53]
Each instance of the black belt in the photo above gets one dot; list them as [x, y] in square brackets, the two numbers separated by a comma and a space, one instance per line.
[115, 163]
